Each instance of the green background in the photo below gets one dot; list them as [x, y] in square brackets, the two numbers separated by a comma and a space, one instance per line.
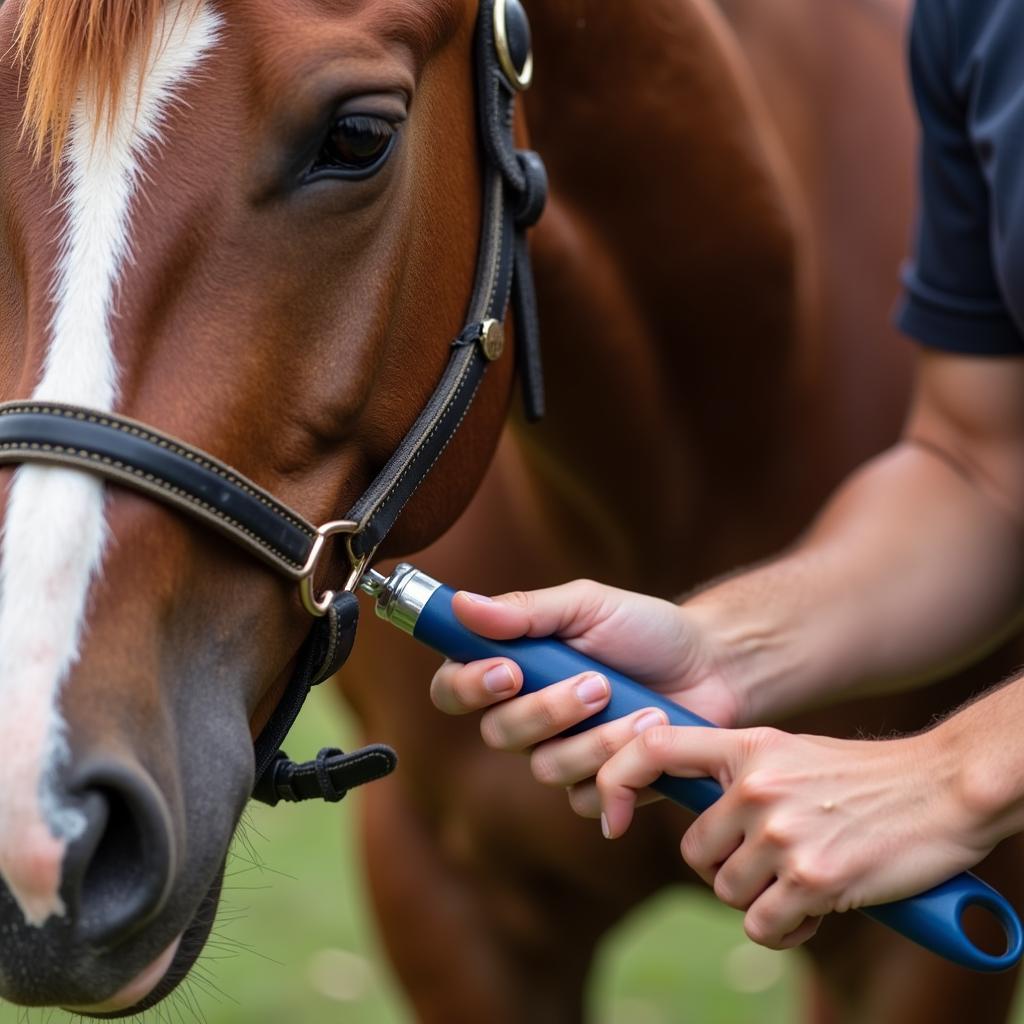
[295, 940]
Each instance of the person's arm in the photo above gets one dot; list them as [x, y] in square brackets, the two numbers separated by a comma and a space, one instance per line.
[915, 565]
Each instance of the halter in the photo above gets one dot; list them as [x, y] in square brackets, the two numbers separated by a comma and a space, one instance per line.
[195, 483]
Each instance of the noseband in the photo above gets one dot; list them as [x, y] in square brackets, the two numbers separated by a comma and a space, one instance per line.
[195, 483]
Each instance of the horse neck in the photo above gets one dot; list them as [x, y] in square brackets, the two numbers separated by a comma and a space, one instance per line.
[669, 270]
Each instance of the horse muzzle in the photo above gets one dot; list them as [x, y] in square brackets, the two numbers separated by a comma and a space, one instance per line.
[119, 873]
[113, 881]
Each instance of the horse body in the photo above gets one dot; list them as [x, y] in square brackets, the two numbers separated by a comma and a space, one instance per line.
[730, 202]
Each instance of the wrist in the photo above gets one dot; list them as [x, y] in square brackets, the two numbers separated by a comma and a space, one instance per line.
[757, 660]
[987, 784]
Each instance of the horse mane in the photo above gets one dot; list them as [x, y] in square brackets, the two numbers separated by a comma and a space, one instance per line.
[73, 48]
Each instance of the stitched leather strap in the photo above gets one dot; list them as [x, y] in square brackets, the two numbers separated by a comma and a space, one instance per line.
[379, 507]
[515, 192]
[177, 474]
[326, 649]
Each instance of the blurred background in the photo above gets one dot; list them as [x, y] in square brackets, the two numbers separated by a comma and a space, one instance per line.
[295, 939]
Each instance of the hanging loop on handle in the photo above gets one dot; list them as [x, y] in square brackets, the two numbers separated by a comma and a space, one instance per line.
[934, 919]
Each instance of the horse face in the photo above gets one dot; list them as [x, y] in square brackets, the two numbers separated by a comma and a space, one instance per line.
[263, 246]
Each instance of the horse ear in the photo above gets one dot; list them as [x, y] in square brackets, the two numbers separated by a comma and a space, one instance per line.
[513, 42]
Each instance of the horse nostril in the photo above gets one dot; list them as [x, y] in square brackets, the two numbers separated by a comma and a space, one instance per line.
[117, 874]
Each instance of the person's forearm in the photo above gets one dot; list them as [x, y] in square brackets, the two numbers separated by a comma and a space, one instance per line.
[910, 569]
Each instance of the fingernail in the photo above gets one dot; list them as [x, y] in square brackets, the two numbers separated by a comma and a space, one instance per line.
[648, 720]
[606, 831]
[592, 688]
[478, 598]
[499, 679]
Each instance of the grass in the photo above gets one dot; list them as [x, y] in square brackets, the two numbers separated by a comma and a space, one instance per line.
[295, 940]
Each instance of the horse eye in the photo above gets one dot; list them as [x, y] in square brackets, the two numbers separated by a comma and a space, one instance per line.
[356, 147]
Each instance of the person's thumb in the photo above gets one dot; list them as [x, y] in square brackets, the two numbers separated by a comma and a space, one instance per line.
[569, 610]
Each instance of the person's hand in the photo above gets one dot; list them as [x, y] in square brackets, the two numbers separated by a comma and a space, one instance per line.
[807, 825]
[654, 642]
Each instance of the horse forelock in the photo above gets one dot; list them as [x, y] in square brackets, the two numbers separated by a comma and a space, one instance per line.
[83, 48]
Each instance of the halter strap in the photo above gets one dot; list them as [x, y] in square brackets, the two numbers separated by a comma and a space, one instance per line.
[515, 192]
[137, 456]
[197, 484]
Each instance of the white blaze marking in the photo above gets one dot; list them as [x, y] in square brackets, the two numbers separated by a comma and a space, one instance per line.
[55, 531]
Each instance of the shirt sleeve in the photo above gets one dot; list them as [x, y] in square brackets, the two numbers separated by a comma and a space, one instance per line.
[952, 299]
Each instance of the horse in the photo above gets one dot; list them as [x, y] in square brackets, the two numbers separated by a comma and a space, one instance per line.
[731, 198]
[254, 227]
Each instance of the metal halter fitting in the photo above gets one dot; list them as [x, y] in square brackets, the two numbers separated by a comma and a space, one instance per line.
[135, 455]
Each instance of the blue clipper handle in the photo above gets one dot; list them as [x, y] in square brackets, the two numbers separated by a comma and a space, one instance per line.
[931, 919]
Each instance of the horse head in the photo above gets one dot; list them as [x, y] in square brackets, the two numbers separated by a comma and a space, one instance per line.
[253, 227]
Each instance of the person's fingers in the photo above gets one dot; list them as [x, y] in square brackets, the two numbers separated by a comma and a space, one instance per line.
[458, 689]
[536, 717]
[711, 840]
[564, 762]
[806, 931]
[567, 609]
[585, 799]
[674, 750]
[782, 913]
[744, 875]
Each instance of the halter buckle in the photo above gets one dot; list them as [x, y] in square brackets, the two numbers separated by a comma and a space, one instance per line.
[319, 606]
[519, 72]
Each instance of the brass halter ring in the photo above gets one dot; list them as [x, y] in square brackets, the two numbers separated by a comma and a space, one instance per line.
[520, 79]
[319, 606]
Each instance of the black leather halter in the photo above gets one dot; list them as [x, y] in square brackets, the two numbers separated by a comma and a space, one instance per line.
[137, 456]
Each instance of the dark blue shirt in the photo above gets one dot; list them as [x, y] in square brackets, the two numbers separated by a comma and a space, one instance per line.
[965, 282]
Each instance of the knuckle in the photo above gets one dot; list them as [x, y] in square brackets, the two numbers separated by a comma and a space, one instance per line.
[762, 736]
[587, 597]
[656, 741]
[438, 694]
[605, 780]
[548, 710]
[493, 732]
[812, 874]
[605, 744]
[585, 589]
[546, 768]
[778, 831]
[757, 787]
[446, 671]
[723, 889]
[691, 849]
[760, 931]
[518, 599]
[442, 686]
[584, 801]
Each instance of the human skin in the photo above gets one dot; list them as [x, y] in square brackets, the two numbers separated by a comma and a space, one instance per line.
[914, 566]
